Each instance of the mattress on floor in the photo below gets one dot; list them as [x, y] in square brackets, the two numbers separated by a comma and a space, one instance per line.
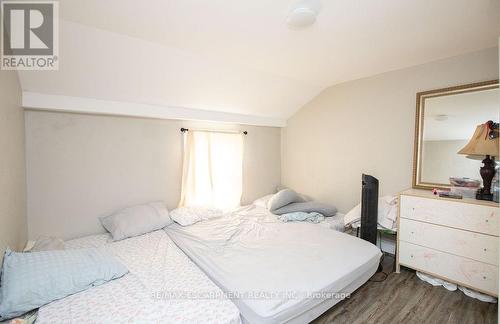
[277, 272]
[163, 286]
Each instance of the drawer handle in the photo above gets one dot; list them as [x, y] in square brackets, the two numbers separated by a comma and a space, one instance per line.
[484, 249]
[411, 255]
[484, 277]
[487, 221]
[412, 232]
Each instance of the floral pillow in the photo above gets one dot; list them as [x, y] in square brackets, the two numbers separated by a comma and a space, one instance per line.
[186, 216]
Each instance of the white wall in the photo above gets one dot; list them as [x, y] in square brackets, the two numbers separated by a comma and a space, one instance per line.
[440, 161]
[13, 229]
[81, 167]
[367, 126]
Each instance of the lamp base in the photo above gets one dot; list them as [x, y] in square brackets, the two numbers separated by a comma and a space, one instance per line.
[487, 172]
[482, 195]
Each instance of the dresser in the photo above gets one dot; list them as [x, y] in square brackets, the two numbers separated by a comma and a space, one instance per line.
[452, 239]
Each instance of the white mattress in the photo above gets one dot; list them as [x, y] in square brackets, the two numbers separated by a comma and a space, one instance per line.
[270, 267]
[158, 270]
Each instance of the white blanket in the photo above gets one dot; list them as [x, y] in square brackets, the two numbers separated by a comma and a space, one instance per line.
[162, 287]
[271, 268]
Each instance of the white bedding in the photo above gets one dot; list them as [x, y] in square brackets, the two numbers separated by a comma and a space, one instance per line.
[269, 267]
[158, 269]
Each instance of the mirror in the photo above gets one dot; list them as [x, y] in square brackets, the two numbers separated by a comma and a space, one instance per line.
[445, 121]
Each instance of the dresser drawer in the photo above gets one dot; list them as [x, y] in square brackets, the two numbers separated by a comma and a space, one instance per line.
[481, 219]
[472, 245]
[474, 274]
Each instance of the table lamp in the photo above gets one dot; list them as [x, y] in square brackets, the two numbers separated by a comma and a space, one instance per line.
[485, 145]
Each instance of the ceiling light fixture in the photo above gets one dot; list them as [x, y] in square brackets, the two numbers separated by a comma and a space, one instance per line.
[441, 117]
[303, 14]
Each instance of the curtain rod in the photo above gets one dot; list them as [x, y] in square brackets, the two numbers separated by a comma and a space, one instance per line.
[183, 130]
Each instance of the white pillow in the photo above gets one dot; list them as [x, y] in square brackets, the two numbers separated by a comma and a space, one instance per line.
[186, 216]
[262, 201]
[136, 220]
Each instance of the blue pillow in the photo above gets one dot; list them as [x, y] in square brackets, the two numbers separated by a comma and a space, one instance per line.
[31, 280]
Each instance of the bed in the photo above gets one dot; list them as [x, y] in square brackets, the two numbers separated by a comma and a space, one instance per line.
[163, 286]
[277, 272]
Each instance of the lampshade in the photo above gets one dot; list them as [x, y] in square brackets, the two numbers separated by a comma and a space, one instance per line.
[481, 144]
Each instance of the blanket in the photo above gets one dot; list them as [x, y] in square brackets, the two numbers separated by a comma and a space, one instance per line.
[302, 217]
[387, 213]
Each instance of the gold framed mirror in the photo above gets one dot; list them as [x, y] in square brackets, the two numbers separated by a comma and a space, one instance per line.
[445, 120]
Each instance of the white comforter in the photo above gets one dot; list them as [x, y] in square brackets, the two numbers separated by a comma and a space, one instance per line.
[163, 286]
[270, 267]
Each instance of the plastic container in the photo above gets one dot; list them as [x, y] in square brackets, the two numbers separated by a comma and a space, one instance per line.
[495, 187]
[465, 192]
[464, 182]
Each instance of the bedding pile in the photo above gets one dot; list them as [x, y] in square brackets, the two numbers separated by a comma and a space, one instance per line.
[387, 213]
[335, 222]
[302, 217]
[163, 286]
[288, 202]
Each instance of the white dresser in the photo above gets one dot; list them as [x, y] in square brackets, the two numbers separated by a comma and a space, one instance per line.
[453, 239]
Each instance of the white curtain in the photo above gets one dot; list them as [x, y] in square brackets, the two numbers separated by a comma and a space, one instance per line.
[212, 169]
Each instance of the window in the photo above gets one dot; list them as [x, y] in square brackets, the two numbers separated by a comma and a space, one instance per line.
[212, 169]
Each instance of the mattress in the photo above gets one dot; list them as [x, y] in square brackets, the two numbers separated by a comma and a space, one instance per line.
[163, 286]
[277, 272]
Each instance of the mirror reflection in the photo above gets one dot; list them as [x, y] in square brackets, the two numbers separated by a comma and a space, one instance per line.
[447, 122]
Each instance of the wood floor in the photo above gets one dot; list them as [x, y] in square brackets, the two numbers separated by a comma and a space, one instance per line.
[403, 298]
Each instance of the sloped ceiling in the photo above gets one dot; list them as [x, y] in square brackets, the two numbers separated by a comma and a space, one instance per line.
[240, 58]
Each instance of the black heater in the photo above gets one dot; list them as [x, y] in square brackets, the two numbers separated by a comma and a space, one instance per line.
[369, 209]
